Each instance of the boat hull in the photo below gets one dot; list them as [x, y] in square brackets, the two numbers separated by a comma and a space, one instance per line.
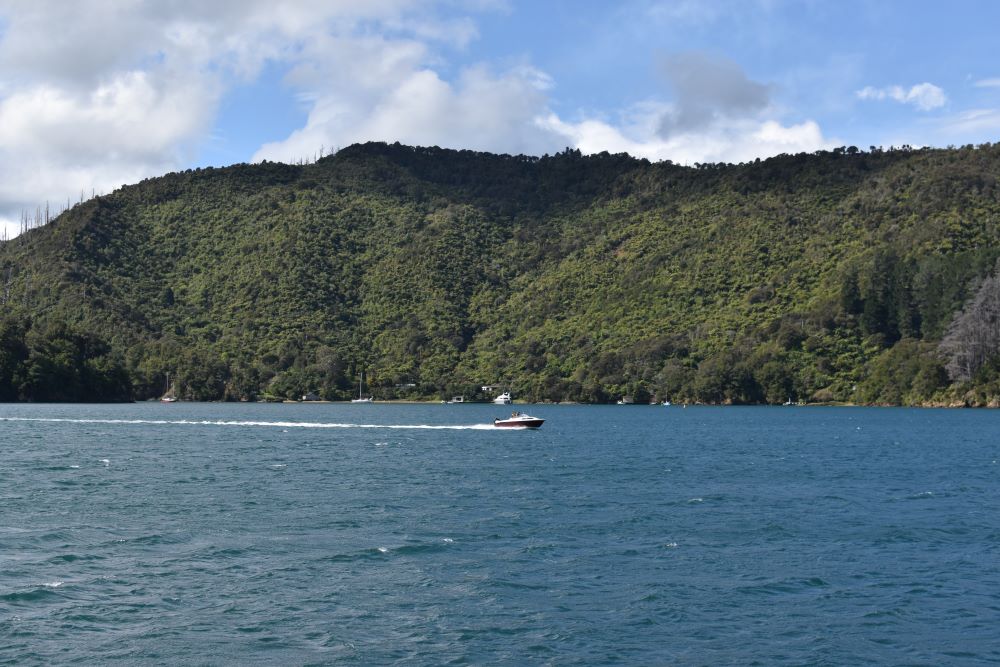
[518, 423]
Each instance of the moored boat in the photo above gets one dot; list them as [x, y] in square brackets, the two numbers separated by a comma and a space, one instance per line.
[503, 399]
[361, 398]
[518, 420]
[168, 394]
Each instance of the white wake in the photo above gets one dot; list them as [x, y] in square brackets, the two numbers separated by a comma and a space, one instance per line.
[266, 424]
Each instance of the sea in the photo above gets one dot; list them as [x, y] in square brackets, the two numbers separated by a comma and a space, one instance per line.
[385, 534]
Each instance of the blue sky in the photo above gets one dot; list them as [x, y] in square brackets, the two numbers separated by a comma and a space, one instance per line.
[98, 93]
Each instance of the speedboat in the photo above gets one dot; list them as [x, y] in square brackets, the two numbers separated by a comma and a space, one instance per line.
[503, 399]
[519, 420]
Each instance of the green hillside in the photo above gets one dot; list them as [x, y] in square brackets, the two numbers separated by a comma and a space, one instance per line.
[825, 277]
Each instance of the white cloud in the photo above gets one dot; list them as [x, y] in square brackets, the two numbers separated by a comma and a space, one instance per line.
[718, 115]
[924, 96]
[974, 122]
[56, 142]
[731, 141]
[391, 93]
[97, 93]
[398, 99]
[135, 113]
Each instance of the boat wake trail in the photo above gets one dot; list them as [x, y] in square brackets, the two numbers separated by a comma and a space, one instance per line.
[264, 424]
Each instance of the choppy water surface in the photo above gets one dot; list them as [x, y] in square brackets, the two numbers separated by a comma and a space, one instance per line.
[372, 534]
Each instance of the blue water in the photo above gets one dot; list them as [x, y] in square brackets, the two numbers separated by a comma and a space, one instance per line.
[287, 534]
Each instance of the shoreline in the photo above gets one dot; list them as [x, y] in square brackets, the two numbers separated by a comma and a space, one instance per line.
[992, 404]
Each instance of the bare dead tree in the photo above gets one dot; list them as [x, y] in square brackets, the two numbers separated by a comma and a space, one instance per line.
[973, 337]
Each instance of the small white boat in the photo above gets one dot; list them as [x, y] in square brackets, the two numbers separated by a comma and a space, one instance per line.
[360, 398]
[518, 420]
[168, 395]
[503, 399]
[457, 399]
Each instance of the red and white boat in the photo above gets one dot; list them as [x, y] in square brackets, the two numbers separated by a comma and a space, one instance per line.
[518, 420]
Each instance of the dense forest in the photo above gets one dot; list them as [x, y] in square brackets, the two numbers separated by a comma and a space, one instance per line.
[843, 276]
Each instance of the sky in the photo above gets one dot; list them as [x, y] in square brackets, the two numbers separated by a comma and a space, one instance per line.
[95, 94]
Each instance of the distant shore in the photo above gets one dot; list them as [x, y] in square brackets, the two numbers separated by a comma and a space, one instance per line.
[995, 403]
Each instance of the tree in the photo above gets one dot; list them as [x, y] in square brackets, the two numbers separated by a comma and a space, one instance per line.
[973, 337]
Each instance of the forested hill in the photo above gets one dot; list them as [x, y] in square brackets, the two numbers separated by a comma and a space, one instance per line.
[855, 276]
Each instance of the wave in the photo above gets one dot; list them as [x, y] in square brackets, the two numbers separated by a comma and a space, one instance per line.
[208, 422]
[40, 592]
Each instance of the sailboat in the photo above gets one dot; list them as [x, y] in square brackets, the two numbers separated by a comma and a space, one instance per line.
[360, 398]
[167, 397]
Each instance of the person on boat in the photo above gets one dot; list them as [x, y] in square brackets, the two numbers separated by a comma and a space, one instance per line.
[513, 414]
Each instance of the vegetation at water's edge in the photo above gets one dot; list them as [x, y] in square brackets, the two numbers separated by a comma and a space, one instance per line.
[55, 363]
[854, 276]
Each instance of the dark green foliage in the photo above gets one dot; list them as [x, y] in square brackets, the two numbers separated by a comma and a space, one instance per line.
[908, 373]
[13, 355]
[821, 277]
[54, 363]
